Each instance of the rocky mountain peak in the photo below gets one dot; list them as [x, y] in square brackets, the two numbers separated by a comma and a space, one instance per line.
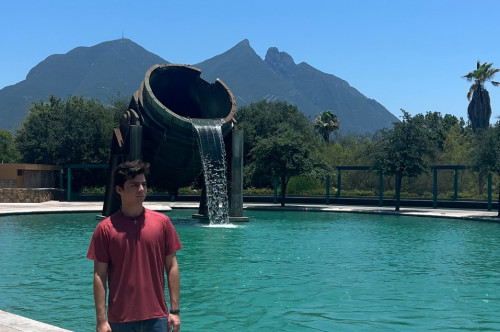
[277, 60]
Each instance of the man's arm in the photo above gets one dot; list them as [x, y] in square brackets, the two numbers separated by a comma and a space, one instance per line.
[100, 277]
[173, 277]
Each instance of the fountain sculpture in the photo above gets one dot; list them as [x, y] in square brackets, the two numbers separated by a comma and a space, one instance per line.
[184, 127]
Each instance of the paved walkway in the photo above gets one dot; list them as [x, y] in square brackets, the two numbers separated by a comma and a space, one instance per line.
[12, 323]
[56, 206]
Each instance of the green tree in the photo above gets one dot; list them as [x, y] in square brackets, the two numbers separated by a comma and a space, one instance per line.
[8, 151]
[326, 123]
[119, 105]
[437, 126]
[486, 157]
[457, 146]
[262, 119]
[279, 143]
[39, 137]
[479, 109]
[349, 150]
[403, 151]
[283, 155]
[74, 131]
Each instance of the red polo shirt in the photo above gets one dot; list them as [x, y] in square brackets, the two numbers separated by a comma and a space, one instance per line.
[135, 250]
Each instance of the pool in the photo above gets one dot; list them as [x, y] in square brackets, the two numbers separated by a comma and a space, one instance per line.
[282, 271]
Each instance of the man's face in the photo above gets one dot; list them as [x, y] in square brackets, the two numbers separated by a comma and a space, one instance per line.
[134, 190]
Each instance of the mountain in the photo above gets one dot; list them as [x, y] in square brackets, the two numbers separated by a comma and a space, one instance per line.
[103, 71]
[116, 68]
[278, 77]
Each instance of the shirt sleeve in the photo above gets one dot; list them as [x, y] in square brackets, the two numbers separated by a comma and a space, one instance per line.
[172, 243]
[99, 244]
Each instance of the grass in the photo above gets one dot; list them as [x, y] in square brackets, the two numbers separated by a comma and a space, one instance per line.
[309, 190]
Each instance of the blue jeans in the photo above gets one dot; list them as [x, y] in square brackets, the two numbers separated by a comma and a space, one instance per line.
[149, 325]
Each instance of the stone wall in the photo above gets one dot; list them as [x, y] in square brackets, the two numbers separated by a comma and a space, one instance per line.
[27, 195]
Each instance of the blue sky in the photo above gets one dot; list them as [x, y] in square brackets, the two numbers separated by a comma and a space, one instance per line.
[404, 54]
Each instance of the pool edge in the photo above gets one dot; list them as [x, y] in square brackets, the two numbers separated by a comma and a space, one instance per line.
[10, 322]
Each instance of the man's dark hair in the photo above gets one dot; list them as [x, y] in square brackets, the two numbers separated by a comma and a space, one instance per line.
[129, 170]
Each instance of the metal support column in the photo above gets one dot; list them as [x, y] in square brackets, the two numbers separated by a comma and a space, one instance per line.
[434, 188]
[339, 183]
[327, 190]
[135, 137]
[61, 178]
[68, 193]
[455, 185]
[380, 189]
[236, 207]
[489, 192]
[275, 201]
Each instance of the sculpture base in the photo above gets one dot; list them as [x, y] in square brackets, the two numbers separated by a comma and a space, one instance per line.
[204, 218]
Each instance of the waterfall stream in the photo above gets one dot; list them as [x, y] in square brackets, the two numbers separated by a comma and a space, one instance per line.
[213, 158]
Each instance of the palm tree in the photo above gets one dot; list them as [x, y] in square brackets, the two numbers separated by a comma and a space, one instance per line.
[326, 123]
[479, 110]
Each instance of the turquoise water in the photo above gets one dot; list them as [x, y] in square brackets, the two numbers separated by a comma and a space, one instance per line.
[283, 271]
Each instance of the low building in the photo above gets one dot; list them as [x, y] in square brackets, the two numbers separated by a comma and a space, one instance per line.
[27, 183]
[28, 176]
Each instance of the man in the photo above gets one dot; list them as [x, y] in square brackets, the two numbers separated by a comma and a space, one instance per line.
[131, 249]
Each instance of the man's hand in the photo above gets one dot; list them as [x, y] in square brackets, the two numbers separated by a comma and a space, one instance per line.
[174, 322]
[103, 327]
